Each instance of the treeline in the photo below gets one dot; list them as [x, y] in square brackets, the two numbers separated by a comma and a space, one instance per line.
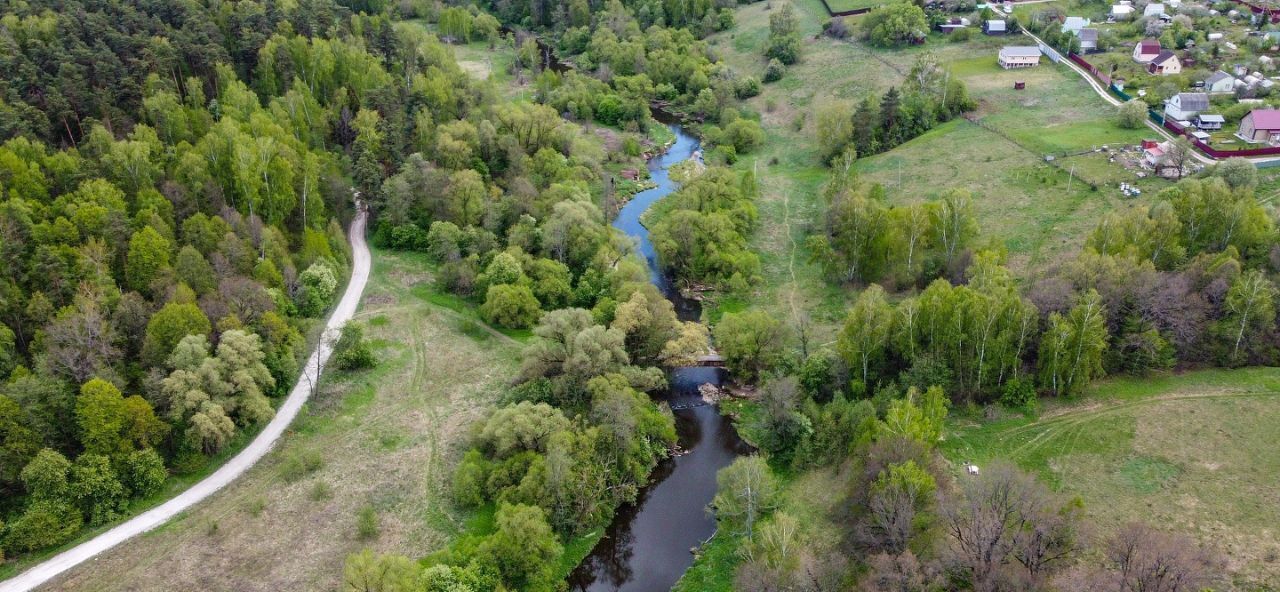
[163, 267]
[928, 96]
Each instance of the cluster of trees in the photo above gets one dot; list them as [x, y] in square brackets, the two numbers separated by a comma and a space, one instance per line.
[927, 97]
[172, 177]
[576, 437]
[894, 25]
[904, 523]
[701, 16]
[702, 239]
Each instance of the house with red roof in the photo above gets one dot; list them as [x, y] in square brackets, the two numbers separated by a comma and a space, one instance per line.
[1146, 50]
[1260, 126]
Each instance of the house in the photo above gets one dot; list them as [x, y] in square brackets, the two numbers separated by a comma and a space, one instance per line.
[1220, 82]
[1146, 50]
[1165, 64]
[1154, 9]
[1073, 24]
[1209, 121]
[1121, 11]
[1183, 106]
[995, 27]
[1088, 40]
[1153, 153]
[1019, 56]
[1260, 125]
[1214, 36]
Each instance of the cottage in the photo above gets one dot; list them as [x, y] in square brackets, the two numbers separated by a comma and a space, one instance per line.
[1260, 125]
[1088, 40]
[1019, 56]
[1153, 153]
[1121, 11]
[1146, 50]
[1209, 121]
[1074, 24]
[1220, 82]
[1154, 9]
[1165, 64]
[995, 27]
[1183, 106]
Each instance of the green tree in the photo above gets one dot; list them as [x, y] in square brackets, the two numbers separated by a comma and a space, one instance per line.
[191, 268]
[745, 492]
[1250, 312]
[96, 489]
[511, 306]
[1072, 346]
[455, 24]
[168, 326]
[524, 549]
[894, 24]
[367, 571]
[148, 259]
[922, 421]
[784, 35]
[113, 426]
[751, 342]
[1131, 114]
[863, 340]
[318, 284]
[143, 473]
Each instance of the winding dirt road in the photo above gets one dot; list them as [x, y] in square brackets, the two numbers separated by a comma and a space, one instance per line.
[237, 465]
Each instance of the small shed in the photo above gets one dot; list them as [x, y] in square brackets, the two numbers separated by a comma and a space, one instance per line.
[1019, 85]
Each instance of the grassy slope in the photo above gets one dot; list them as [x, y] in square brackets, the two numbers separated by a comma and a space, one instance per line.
[1182, 451]
[1023, 204]
[387, 438]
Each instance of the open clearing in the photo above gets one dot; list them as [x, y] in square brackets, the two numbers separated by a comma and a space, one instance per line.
[383, 439]
[1192, 452]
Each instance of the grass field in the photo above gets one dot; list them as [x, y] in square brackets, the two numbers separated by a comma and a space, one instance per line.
[1193, 453]
[383, 439]
[1023, 204]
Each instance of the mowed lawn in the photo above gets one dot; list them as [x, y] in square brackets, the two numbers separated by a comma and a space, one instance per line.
[384, 439]
[1195, 453]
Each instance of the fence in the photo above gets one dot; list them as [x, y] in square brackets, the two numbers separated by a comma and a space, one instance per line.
[1270, 14]
[1051, 162]
[845, 12]
[1159, 119]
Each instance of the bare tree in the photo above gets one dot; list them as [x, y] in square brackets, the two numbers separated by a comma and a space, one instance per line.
[1004, 527]
[899, 573]
[1144, 559]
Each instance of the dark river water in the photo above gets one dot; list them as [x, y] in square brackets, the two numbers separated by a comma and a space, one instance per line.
[647, 548]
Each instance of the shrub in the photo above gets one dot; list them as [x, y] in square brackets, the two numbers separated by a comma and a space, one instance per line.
[299, 465]
[367, 523]
[352, 352]
[747, 87]
[1131, 115]
[774, 71]
[45, 523]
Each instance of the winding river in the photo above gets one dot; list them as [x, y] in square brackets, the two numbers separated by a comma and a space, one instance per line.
[647, 547]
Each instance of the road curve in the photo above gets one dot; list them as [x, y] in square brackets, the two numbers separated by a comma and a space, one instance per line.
[237, 465]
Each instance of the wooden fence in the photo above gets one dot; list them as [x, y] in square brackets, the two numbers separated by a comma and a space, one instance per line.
[1270, 14]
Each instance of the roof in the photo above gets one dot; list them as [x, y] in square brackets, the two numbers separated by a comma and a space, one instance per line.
[1121, 9]
[1020, 51]
[1089, 35]
[1075, 23]
[1217, 77]
[1265, 119]
[995, 25]
[1211, 118]
[1193, 101]
[1153, 10]
[1147, 46]
[1163, 57]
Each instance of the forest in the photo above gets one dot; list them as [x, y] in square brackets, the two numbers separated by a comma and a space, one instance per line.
[177, 176]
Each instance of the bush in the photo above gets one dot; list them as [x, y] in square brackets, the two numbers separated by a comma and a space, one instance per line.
[352, 350]
[1019, 394]
[514, 307]
[300, 465]
[774, 71]
[45, 523]
[143, 473]
[367, 523]
[747, 87]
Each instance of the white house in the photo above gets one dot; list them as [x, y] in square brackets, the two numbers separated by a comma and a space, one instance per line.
[1019, 56]
[1121, 11]
[1184, 106]
[1165, 64]
[1088, 40]
[1153, 9]
[1209, 121]
[1220, 82]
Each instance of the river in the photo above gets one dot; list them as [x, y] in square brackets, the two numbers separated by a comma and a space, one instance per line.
[647, 547]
